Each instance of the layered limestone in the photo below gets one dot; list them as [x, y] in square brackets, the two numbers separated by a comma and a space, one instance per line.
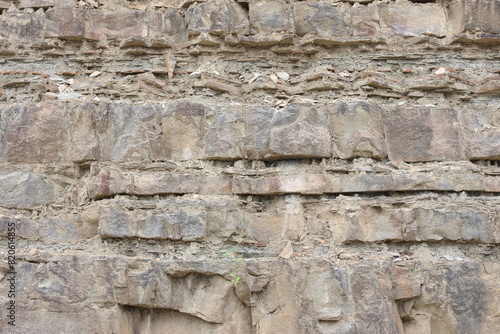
[355, 142]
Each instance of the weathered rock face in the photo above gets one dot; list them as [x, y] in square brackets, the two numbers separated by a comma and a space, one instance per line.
[250, 167]
[423, 134]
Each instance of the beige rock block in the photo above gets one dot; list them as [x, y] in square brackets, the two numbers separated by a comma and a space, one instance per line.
[353, 183]
[492, 184]
[90, 221]
[37, 134]
[180, 225]
[445, 224]
[284, 220]
[225, 133]
[366, 281]
[441, 182]
[365, 20]
[84, 135]
[304, 184]
[21, 27]
[45, 3]
[269, 16]
[25, 190]
[369, 224]
[475, 15]
[319, 19]
[92, 320]
[423, 134]
[5, 4]
[63, 229]
[484, 145]
[218, 17]
[120, 24]
[406, 283]
[357, 130]
[414, 19]
[116, 222]
[182, 131]
[108, 182]
[171, 25]
[276, 296]
[129, 132]
[328, 287]
[65, 22]
[297, 131]
[111, 181]
[172, 183]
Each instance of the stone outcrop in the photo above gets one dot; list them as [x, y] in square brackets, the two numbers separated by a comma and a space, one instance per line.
[250, 166]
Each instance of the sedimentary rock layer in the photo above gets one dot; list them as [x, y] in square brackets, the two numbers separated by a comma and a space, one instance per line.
[339, 160]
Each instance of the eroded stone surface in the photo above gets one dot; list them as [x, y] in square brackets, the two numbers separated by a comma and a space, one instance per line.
[357, 130]
[25, 190]
[65, 22]
[319, 19]
[422, 134]
[414, 19]
[147, 287]
[217, 17]
[268, 16]
[480, 15]
[296, 131]
[338, 159]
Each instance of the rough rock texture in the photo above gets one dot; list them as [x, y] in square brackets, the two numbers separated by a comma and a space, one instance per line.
[356, 143]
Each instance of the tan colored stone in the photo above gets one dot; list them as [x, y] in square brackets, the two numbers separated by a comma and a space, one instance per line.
[21, 27]
[422, 134]
[170, 25]
[218, 17]
[45, 3]
[484, 145]
[113, 25]
[65, 22]
[365, 281]
[329, 300]
[357, 130]
[84, 136]
[358, 221]
[440, 182]
[129, 133]
[116, 222]
[435, 225]
[414, 19]
[305, 184]
[65, 228]
[492, 184]
[5, 4]
[319, 19]
[473, 15]
[182, 129]
[365, 20]
[37, 134]
[111, 181]
[268, 16]
[297, 131]
[225, 131]
[22, 189]
[365, 183]
[405, 282]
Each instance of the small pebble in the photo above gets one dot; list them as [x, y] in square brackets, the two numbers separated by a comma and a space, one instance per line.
[283, 75]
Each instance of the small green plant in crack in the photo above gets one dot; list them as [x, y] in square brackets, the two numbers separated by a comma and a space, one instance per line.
[232, 253]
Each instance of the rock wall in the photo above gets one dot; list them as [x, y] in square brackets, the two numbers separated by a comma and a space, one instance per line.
[355, 142]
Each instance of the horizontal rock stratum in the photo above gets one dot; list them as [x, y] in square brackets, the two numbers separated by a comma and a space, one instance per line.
[250, 166]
